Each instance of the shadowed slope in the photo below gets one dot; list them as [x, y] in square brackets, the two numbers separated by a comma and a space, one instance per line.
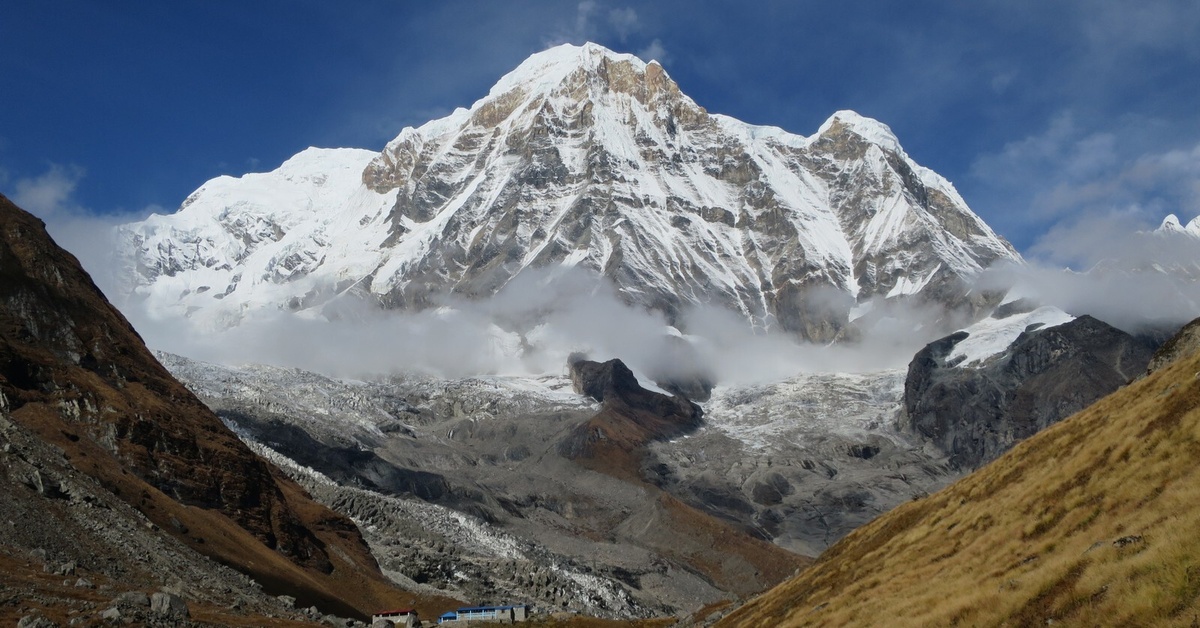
[74, 373]
[1091, 522]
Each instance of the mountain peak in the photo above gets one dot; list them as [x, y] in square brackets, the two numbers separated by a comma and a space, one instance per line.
[548, 69]
[1171, 224]
[582, 156]
[869, 129]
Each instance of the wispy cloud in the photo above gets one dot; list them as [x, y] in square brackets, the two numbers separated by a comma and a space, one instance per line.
[1113, 30]
[655, 51]
[1069, 172]
[51, 196]
[49, 193]
[620, 27]
[624, 22]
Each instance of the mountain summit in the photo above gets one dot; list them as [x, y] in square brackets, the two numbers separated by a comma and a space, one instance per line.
[580, 157]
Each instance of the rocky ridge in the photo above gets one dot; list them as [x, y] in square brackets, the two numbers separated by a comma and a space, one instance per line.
[1182, 344]
[74, 374]
[630, 417]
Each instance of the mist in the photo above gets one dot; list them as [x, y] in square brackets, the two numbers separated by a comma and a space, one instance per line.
[528, 328]
[1134, 280]
[1113, 268]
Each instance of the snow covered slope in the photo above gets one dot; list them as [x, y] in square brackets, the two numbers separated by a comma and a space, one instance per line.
[1171, 224]
[580, 157]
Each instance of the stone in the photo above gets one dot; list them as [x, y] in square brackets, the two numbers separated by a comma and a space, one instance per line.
[60, 569]
[287, 601]
[168, 605]
[112, 614]
[34, 621]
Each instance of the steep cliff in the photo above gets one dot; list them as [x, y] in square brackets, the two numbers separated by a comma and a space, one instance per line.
[977, 411]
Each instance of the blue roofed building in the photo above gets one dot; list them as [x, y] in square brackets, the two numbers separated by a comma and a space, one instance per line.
[491, 614]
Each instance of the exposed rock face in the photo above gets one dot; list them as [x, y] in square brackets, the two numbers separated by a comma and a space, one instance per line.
[1182, 344]
[580, 157]
[631, 416]
[169, 605]
[73, 372]
[977, 413]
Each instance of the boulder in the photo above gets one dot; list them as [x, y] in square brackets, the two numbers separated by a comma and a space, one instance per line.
[168, 605]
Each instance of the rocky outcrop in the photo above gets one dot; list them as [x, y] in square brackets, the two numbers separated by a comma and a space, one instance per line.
[1075, 526]
[1181, 345]
[631, 416]
[976, 413]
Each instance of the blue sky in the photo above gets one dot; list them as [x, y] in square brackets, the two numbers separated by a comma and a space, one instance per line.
[1048, 116]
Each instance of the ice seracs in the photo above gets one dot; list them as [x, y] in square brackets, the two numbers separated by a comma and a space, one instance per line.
[580, 157]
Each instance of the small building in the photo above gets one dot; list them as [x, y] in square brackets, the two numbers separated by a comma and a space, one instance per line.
[399, 618]
[493, 614]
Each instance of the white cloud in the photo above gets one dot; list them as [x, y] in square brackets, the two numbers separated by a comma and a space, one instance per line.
[49, 193]
[596, 22]
[1002, 81]
[624, 22]
[85, 233]
[583, 17]
[530, 327]
[1067, 172]
[654, 51]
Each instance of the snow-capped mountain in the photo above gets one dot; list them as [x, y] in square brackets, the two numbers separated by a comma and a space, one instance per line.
[580, 157]
[1171, 224]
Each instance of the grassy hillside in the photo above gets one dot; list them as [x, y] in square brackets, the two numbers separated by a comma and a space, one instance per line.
[1092, 522]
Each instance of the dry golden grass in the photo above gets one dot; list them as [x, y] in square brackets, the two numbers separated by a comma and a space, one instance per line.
[1093, 522]
[576, 621]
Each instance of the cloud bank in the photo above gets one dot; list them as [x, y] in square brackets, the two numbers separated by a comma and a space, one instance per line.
[1111, 266]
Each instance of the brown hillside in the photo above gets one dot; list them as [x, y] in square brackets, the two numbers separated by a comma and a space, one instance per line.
[1091, 522]
[74, 372]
